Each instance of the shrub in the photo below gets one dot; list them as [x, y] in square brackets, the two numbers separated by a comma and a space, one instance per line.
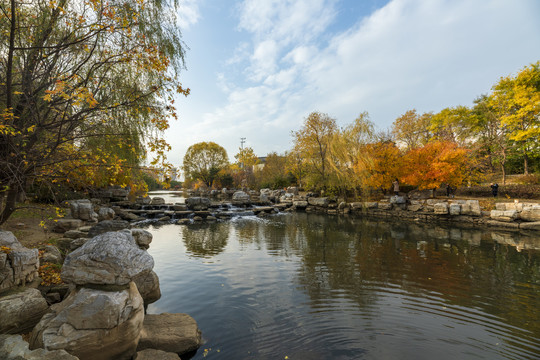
[531, 179]
[529, 191]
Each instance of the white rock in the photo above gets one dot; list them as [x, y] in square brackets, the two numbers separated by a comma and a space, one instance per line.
[21, 311]
[110, 258]
[91, 322]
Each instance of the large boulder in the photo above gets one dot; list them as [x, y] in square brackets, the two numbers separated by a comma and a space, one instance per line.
[471, 208]
[157, 201]
[119, 194]
[286, 198]
[83, 209]
[292, 190]
[454, 209]
[143, 200]
[91, 322]
[106, 226]
[63, 225]
[148, 286]
[504, 216]
[530, 213]
[13, 347]
[21, 311]
[318, 201]
[440, 208]
[112, 258]
[105, 213]
[18, 264]
[198, 203]
[177, 333]
[241, 198]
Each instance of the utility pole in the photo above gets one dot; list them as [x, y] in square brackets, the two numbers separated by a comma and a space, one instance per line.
[242, 141]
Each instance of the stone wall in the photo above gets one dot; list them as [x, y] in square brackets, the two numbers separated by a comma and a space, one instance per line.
[512, 215]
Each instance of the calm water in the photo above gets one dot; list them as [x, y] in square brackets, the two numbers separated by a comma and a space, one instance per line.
[317, 287]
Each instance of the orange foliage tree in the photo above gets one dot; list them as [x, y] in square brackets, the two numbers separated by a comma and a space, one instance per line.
[384, 165]
[436, 163]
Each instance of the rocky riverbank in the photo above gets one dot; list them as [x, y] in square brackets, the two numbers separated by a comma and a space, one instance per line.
[513, 215]
[108, 276]
[99, 312]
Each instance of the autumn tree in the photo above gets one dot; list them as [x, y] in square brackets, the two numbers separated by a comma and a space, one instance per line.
[384, 164]
[246, 157]
[203, 161]
[516, 101]
[412, 129]
[85, 85]
[296, 165]
[452, 124]
[274, 174]
[312, 143]
[436, 163]
[491, 135]
[347, 154]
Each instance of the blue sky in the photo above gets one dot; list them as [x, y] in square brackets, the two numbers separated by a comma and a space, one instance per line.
[257, 68]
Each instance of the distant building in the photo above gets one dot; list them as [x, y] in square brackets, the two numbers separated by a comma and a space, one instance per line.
[261, 161]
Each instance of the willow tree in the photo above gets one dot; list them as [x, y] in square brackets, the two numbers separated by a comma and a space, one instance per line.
[85, 85]
[312, 143]
[347, 156]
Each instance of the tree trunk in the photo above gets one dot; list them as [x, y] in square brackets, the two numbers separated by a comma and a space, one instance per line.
[502, 167]
[9, 205]
[9, 69]
[525, 164]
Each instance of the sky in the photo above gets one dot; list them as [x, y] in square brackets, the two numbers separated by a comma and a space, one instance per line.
[258, 68]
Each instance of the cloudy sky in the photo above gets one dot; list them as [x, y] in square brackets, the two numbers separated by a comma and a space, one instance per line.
[257, 68]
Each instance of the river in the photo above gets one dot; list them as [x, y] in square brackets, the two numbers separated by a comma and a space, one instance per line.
[307, 286]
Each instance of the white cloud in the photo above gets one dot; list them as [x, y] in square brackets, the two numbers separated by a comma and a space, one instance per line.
[188, 13]
[409, 54]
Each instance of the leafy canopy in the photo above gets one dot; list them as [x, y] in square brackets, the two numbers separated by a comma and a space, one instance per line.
[203, 161]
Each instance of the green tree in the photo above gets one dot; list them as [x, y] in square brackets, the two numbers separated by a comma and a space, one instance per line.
[203, 161]
[87, 88]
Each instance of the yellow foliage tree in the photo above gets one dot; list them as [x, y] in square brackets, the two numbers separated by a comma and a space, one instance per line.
[516, 101]
[84, 78]
[385, 164]
[312, 143]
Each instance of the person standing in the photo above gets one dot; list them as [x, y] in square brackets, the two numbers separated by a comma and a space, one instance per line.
[396, 186]
[494, 189]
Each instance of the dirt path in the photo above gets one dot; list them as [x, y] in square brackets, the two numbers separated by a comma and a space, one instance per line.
[32, 226]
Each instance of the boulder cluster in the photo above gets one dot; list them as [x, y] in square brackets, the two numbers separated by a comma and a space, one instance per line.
[101, 312]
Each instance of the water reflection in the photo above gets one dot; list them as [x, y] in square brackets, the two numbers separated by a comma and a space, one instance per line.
[352, 289]
[205, 240]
